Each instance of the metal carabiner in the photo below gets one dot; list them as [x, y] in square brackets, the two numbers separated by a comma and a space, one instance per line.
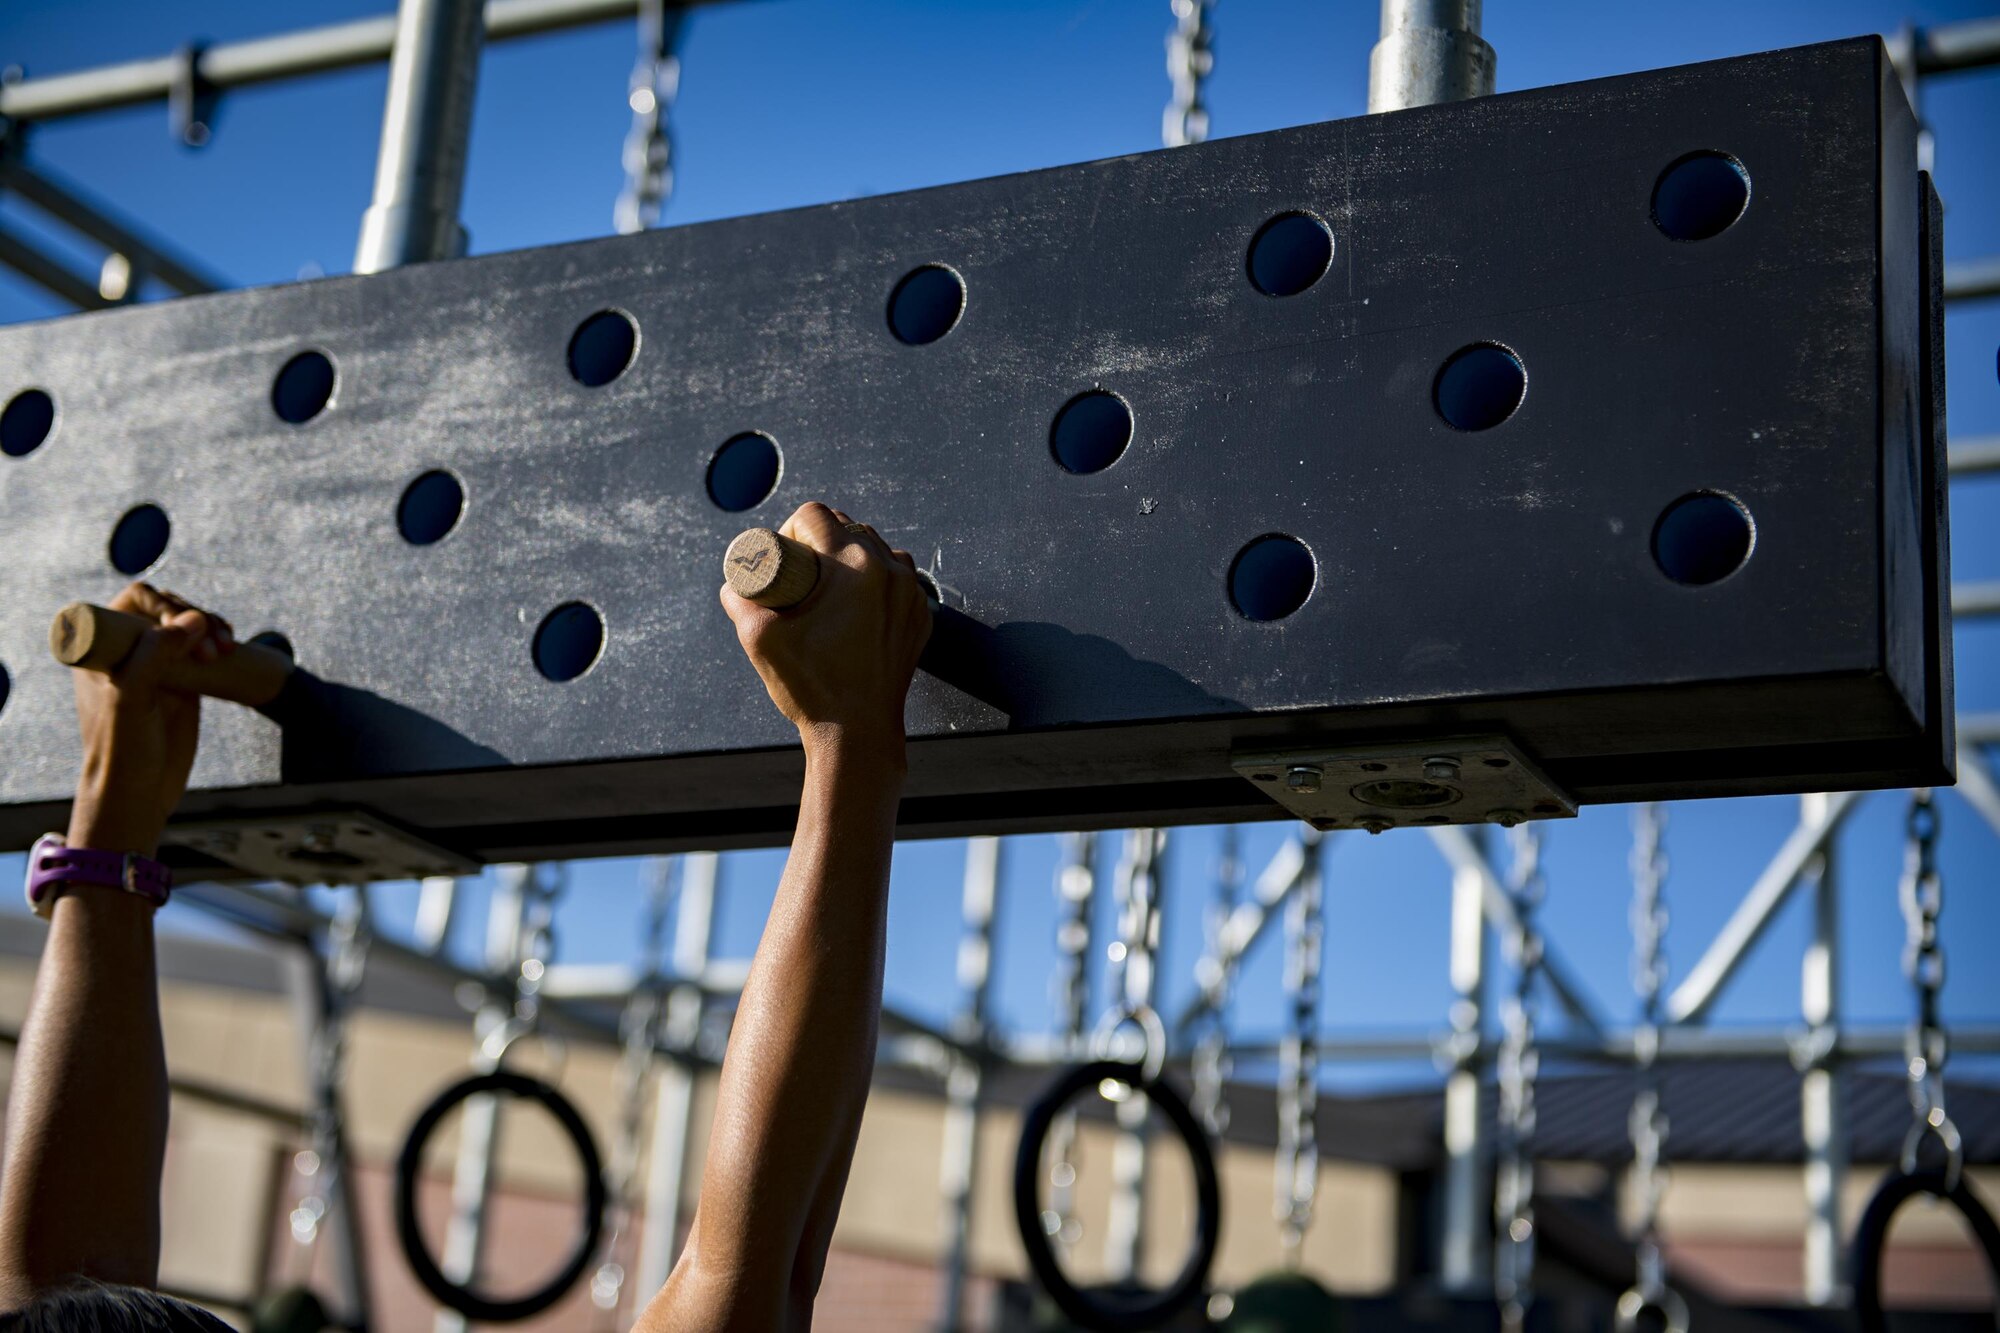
[1152, 1032]
[1940, 1124]
[1673, 1311]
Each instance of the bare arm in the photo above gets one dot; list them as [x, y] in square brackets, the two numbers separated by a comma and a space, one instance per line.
[796, 1074]
[87, 1115]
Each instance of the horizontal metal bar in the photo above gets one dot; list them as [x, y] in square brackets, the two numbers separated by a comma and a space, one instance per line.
[1975, 456]
[269, 914]
[616, 981]
[1979, 728]
[1977, 788]
[51, 275]
[1464, 854]
[147, 257]
[211, 1094]
[284, 56]
[1969, 44]
[1972, 279]
[1677, 1044]
[1976, 599]
[1692, 999]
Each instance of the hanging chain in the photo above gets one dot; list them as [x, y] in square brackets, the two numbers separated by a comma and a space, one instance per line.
[1647, 1124]
[1520, 1063]
[649, 145]
[319, 1166]
[1076, 891]
[1129, 979]
[1927, 1046]
[1297, 1160]
[537, 942]
[1214, 974]
[1190, 60]
[639, 1032]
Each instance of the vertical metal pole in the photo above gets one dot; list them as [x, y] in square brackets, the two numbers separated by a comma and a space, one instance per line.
[1430, 52]
[673, 1115]
[437, 904]
[312, 1006]
[1822, 1091]
[1465, 1263]
[426, 125]
[479, 1130]
[960, 1163]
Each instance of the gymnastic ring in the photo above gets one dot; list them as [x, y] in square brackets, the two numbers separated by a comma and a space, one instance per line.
[1099, 1309]
[1871, 1237]
[409, 1168]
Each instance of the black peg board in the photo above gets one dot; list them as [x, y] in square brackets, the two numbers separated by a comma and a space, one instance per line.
[1089, 668]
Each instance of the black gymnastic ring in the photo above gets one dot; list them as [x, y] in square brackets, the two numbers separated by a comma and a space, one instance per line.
[1099, 1309]
[409, 1167]
[1871, 1237]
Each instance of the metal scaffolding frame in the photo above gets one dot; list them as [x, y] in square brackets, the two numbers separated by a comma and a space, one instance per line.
[1434, 51]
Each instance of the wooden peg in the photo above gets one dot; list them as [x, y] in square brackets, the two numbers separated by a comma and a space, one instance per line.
[770, 569]
[95, 638]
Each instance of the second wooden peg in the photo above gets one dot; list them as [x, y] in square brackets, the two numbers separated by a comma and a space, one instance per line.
[770, 569]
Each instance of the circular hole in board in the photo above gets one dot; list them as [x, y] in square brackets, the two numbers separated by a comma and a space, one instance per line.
[1289, 253]
[744, 472]
[602, 348]
[1480, 386]
[926, 304]
[275, 641]
[1091, 432]
[1272, 577]
[429, 508]
[1700, 196]
[140, 539]
[568, 641]
[1703, 538]
[303, 388]
[25, 422]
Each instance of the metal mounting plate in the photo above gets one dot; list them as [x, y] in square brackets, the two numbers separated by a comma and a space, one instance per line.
[1415, 784]
[322, 847]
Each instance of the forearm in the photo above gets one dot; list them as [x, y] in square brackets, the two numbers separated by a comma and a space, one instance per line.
[800, 1056]
[87, 1114]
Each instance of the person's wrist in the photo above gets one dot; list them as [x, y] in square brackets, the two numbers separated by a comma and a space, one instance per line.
[104, 819]
[878, 748]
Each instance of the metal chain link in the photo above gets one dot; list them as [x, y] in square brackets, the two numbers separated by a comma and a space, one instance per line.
[1520, 1063]
[1129, 978]
[536, 944]
[1927, 1046]
[1647, 1123]
[1297, 1158]
[649, 147]
[639, 1033]
[1076, 891]
[345, 965]
[1190, 60]
[1214, 973]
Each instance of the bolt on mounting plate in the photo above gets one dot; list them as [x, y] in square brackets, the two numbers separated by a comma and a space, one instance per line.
[1414, 784]
[324, 847]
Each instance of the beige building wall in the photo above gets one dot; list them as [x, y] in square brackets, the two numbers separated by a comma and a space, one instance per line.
[229, 1183]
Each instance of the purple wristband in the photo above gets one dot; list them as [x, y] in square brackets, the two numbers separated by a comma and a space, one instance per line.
[53, 864]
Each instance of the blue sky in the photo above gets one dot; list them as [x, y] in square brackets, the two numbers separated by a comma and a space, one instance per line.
[795, 102]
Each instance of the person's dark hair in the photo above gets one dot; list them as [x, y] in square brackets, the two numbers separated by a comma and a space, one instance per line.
[94, 1307]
